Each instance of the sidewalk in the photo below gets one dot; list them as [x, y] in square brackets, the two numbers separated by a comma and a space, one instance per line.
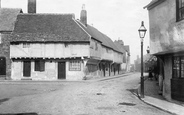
[152, 97]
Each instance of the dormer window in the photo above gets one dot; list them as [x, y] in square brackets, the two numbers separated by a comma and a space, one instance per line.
[179, 10]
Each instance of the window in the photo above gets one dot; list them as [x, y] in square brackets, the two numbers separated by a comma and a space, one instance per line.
[178, 67]
[92, 67]
[75, 66]
[179, 10]
[39, 65]
[26, 45]
[96, 46]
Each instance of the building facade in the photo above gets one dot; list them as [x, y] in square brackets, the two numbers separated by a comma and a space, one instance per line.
[57, 46]
[125, 66]
[166, 42]
[7, 20]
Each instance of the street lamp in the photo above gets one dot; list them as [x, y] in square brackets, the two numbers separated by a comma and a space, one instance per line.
[142, 32]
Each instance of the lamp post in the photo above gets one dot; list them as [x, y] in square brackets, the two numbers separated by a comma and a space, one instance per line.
[142, 32]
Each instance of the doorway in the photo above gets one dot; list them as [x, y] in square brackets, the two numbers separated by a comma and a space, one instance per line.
[27, 68]
[61, 70]
[103, 69]
[2, 66]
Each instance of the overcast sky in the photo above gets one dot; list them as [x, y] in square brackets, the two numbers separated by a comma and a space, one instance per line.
[118, 19]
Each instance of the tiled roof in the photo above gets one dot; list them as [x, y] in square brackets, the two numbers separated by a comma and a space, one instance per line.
[119, 46]
[48, 27]
[8, 17]
[96, 34]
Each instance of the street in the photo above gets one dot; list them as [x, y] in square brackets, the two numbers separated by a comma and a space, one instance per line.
[91, 97]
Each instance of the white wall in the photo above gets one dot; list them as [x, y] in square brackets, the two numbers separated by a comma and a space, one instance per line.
[74, 75]
[52, 50]
[50, 73]
[95, 53]
[107, 54]
[165, 33]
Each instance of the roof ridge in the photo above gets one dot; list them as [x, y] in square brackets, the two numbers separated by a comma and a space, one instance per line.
[12, 8]
[47, 14]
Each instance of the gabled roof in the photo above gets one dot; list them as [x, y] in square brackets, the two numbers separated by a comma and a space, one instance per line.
[8, 17]
[97, 35]
[48, 27]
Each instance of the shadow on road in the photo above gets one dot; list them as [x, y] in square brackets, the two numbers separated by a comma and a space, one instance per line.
[19, 114]
[134, 92]
[3, 100]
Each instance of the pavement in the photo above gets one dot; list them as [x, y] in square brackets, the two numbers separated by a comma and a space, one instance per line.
[152, 97]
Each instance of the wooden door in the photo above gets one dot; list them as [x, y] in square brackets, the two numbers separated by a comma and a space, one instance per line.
[27, 68]
[103, 68]
[2, 66]
[61, 70]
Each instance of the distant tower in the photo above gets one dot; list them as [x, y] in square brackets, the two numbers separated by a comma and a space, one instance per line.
[31, 6]
[83, 15]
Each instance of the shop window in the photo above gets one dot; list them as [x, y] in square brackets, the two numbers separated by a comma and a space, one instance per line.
[178, 67]
[39, 65]
[75, 66]
[179, 10]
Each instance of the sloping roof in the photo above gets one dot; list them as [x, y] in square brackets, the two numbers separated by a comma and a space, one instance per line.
[99, 36]
[127, 48]
[48, 27]
[119, 46]
[153, 3]
[8, 17]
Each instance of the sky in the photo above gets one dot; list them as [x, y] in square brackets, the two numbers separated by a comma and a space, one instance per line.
[118, 19]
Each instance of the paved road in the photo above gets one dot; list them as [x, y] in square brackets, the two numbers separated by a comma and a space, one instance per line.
[97, 97]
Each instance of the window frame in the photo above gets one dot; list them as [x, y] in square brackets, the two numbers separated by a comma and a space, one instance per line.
[75, 65]
[39, 65]
[179, 9]
[177, 73]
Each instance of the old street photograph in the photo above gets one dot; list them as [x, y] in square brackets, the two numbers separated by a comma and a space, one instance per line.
[91, 57]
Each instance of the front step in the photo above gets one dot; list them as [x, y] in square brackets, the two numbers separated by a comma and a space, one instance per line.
[2, 77]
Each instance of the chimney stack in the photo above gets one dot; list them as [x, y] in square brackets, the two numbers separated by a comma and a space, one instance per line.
[83, 15]
[31, 6]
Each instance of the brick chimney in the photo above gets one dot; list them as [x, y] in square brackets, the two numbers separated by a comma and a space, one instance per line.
[83, 15]
[31, 6]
